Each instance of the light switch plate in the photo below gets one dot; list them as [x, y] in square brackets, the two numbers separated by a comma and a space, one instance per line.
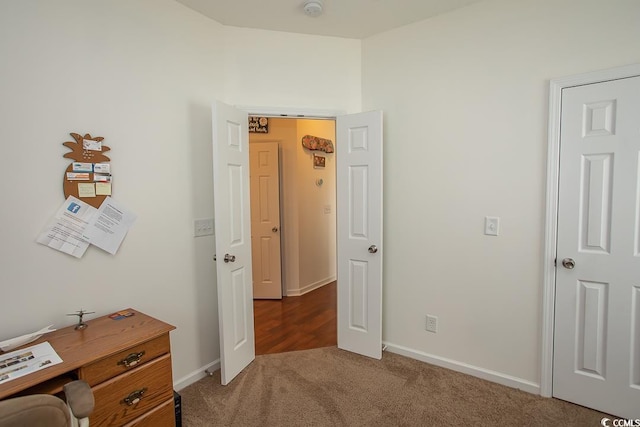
[203, 227]
[491, 225]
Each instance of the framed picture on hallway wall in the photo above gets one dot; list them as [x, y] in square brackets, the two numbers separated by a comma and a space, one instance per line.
[318, 161]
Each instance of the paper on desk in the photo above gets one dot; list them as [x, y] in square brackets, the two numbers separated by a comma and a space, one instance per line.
[10, 344]
[27, 360]
[109, 227]
[64, 232]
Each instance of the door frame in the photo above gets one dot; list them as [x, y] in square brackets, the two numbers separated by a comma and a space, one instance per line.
[294, 113]
[551, 220]
[290, 113]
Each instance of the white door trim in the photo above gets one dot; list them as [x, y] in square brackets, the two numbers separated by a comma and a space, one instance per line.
[551, 221]
[291, 113]
[296, 113]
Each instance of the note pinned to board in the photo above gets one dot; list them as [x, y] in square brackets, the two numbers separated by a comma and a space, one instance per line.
[92, 145]
[102, 168]
[103, 188]
[81, 167]
[86, 190]
[78, 176]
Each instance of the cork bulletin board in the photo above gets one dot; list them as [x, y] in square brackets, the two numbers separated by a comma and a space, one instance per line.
[89, 176]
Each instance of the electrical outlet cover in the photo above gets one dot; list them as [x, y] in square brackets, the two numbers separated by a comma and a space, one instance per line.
[432, 323]
[491, 225]
[203, 227]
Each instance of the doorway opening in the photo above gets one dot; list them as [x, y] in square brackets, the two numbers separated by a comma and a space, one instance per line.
[297, 323]
[358, 235]
[293, 221]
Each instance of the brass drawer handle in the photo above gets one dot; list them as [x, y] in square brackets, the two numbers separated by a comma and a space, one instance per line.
[131, 360]
[135, 396]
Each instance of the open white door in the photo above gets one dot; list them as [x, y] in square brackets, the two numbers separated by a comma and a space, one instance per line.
[233, 239]
[359, 229]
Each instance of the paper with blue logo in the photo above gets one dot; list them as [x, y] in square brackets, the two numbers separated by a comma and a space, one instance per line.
[64, 232]
[77, 225]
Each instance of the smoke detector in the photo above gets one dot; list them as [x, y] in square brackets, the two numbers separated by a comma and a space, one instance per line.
[313, 7]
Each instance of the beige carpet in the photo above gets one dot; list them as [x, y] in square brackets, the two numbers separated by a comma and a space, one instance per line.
[331, 387]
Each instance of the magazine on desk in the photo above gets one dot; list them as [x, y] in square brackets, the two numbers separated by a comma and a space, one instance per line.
[22, 362]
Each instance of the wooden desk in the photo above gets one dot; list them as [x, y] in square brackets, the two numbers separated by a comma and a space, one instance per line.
[126, 362]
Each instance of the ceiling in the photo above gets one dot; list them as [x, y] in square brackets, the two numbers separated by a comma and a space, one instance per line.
[341, 18]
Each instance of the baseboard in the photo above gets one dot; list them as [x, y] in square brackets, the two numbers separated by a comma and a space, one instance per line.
[196, 375]
[485, 374]
[309, 288]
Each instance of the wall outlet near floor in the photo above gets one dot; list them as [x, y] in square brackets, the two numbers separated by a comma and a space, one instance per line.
[432, 323]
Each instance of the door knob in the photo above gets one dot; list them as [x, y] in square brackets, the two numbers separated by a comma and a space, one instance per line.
[274, 229]
[229, 258]
[568, 263]
[373, 249]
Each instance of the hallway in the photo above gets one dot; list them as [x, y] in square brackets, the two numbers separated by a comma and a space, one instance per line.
[296, 323]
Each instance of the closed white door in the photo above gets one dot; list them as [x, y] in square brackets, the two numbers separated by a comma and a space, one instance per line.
[233, 239]
[265, 220]
[596, 359]
[359, 229]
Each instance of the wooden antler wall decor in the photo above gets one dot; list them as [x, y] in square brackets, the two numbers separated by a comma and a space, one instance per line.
[311, 142]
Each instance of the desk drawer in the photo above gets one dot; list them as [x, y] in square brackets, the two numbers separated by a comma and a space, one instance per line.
[125, 360]
[162, 416]
[111, 408]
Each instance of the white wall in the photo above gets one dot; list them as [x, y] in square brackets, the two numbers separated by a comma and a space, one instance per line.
[465, 102]
[143, 75]
[276, 69]
[316, 228]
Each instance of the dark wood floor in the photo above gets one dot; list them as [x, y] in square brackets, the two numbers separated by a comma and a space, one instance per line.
[296, 323]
